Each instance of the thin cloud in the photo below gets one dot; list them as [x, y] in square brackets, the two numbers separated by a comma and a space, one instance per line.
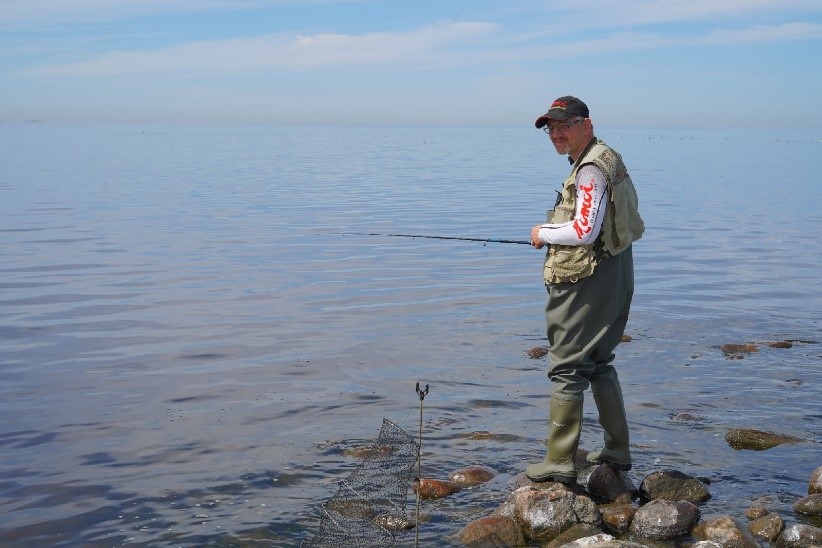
[431, 47]
[281, 51]
[27, 12]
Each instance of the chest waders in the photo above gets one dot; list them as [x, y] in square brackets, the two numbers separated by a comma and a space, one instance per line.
[591, 289]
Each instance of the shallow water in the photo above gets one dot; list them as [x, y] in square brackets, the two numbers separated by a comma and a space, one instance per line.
[188, 347]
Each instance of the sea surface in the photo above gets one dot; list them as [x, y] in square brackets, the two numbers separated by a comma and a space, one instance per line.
[193, 336]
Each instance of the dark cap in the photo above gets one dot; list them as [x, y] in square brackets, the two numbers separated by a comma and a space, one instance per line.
[563, 108]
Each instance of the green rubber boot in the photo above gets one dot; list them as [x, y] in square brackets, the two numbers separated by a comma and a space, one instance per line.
[608, 397]
[563, 439]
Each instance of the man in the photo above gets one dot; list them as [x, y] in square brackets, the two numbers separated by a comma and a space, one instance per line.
[589, 274]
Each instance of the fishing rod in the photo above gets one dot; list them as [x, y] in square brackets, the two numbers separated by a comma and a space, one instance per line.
[487, 240]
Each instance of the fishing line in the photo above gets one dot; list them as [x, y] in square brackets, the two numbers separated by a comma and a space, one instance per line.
[468, 239]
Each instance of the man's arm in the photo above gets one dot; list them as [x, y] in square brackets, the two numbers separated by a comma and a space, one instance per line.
[591, 201]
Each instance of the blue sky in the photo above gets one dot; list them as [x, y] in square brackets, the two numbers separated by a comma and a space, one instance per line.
[667, 63]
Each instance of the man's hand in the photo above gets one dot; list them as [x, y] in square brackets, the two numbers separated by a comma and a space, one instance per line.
[535, 241]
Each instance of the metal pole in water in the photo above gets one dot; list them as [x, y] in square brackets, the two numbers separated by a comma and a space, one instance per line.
[421, 394]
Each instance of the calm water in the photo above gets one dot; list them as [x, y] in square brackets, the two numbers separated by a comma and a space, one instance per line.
[187, 348]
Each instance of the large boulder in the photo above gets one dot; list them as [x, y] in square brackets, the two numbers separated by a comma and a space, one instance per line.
[673, 485]
[544, 514]
[665, 519]
[810, 505]
[493, 530]
[800, 536]
[609, 485]
[815, 483]
[767, 527]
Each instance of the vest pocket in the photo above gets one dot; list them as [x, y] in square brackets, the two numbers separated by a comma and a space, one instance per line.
[569, 263]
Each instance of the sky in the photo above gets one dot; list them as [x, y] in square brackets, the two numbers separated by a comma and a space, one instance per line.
[636, 63]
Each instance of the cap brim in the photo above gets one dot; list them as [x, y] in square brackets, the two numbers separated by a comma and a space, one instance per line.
[555, 115]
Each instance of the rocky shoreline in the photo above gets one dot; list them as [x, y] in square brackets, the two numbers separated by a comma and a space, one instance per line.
[606, 510]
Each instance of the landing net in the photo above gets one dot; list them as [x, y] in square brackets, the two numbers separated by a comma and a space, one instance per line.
[369, 507]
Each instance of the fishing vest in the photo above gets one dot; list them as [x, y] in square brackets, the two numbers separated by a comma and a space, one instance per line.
[621, 225]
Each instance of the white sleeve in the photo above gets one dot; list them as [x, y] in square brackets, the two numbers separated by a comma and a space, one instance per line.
[591, 200]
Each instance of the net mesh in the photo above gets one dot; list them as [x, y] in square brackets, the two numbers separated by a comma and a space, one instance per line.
[369, 506]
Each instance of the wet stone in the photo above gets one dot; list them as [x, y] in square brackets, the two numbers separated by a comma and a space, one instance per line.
[617, 517]
[577, 532]
[815, 483]
[470, 476]
[674, 486]
[493, 530]
[665, 519]
[393, 522]
[810, 505]
[757, 440]
[800, 535]
[726, 531]
[767, 527]
[435, 489]
[544, 514]
[368, 451]
[538, 352]
[609, 485]
[746, 348]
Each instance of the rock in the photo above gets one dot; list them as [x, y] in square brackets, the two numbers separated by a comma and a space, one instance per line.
[538, 352]
[767, 527]
[368, 451]
[544, 514]
[470, 476]
[394, 522]
[810, 505]
[726, 531]
[610, 485]
[800, 536]
[493, 530]
[706, 544]
[665, 519]
[601, 539]
[617, 517]
[757, 440]
[732, 348]
[576, 532]
[781, 344]
[755, 512]
[435, 489]
[673, 485]
[815, 483]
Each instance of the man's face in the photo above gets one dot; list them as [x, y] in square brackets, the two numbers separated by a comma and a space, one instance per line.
[569, 136]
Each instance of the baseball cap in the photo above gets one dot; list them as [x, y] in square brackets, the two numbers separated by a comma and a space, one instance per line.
[563, 108]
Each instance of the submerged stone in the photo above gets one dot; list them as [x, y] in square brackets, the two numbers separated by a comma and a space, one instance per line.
[726, 531]
[470, 476]
[732, 348]
[757, 440]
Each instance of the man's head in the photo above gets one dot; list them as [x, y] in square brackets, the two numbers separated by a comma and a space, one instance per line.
[562, 110]
[568, 125]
